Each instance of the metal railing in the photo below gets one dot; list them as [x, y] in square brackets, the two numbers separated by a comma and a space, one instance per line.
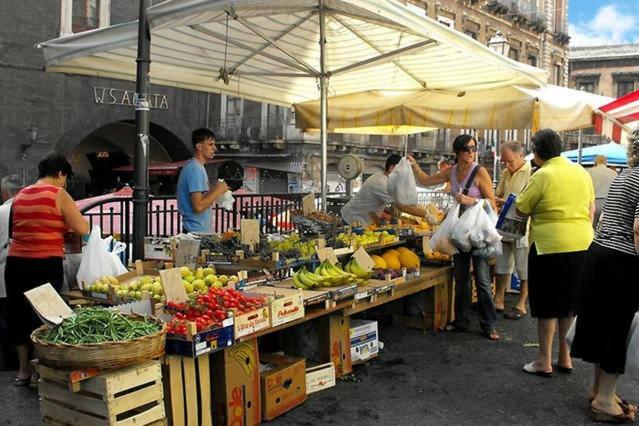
[255, 128]
[115, 215]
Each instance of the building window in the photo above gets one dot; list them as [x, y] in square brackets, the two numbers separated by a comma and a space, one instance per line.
[86, 15]
[513, 53]
[625, 87]
[558, 75]
[449, 22]
[82, 15]
[471, 34]
[586, 86]
[559, 17]
[532, 60]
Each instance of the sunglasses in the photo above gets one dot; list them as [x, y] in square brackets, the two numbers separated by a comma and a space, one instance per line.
[469, 148]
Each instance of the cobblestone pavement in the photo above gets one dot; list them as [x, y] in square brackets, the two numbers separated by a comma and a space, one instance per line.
[422, 379]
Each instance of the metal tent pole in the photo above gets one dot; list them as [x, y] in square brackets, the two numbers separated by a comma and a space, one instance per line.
[579, 147]
[141, 166]
[323, 106]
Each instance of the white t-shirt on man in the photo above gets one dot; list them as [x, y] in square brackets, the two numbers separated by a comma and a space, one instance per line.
[372, 197]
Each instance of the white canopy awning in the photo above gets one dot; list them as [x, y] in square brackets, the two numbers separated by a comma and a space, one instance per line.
[405, 112]
[269, 50]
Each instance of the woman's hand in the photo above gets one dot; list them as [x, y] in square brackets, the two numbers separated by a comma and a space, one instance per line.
[465, 199]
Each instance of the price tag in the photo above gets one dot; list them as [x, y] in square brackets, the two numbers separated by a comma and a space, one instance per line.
[308, 203]
[326, 253]
[187, 253]
[173, 288]
[250, 231]
[48, 304]
[364, 260]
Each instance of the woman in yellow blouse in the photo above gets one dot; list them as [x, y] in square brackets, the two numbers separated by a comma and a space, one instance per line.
[560, 201]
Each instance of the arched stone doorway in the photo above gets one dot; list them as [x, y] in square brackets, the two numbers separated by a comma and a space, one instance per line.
[113, 145]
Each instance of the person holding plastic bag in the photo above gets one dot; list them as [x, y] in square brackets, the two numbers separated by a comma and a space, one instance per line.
[470, 183]
[40, 216]
[609, 296]
[376, 193]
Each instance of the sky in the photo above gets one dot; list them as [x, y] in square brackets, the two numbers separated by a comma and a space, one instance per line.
[600, 22]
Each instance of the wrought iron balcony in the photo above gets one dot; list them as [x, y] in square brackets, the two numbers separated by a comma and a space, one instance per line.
[247, 129]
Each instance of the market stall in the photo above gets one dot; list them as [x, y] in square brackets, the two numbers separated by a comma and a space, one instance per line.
[618, 118]
[205, 321]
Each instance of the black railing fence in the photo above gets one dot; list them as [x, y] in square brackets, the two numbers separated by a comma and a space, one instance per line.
[115, 215]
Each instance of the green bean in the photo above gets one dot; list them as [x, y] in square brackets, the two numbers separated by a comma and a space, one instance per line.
[95, 325]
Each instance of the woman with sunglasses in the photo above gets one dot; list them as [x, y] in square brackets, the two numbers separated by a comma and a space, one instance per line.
[469, 183]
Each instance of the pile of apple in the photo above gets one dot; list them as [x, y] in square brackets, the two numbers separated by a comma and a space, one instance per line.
[201, 279]
[135, 289]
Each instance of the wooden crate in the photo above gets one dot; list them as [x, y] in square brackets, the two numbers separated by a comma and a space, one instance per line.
[187, 383]
[129, 396]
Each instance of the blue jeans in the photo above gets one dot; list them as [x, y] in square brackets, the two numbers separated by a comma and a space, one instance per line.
[461, 273]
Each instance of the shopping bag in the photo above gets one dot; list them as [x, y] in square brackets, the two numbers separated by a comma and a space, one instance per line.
[226, 201]
[401, 184]
[440, 240]
[98, 260]
[509, 223]
[632, 353]
[460, 234]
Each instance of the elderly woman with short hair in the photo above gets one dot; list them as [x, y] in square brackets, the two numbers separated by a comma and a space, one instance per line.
[610, 294]
[560, 201]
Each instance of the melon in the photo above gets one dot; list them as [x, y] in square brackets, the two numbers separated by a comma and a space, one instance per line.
[392, 260]
[380, 263]
[408, 259]
[394, 251]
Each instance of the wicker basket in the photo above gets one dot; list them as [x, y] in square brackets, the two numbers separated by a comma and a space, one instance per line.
[105, 355]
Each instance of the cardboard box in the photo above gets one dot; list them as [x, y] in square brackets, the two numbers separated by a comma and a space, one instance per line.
[287, 308]
[236, 377]
[335, 343]
[201, 343]
[283, 384]
[320, 377]
[252, 322]
[364, 340]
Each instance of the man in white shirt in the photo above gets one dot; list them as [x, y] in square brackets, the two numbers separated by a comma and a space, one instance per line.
[514, 252]
[9, 186]
[367, 205]
[602, 177]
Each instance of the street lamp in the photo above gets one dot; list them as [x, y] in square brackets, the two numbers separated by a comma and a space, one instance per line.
[499, 44]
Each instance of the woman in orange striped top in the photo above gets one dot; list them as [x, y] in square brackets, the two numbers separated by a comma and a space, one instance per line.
[40, 216]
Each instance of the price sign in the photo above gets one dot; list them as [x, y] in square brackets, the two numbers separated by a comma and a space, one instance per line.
[326, 253]
[364, 260]
[187, 253]
[308, 204]
[250, 231]
[173, 288]
[48, 304]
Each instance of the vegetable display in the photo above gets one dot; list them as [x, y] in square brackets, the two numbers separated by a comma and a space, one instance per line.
[208, 310]
[97, 325]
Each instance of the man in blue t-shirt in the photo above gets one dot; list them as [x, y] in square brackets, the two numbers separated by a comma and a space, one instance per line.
[194, 196]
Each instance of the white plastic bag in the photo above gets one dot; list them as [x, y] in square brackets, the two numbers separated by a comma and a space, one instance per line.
[401, 184]
[440, 240]
[460, 235]
[489, 250]
[226, 200]
[632, 354]
[97, 261]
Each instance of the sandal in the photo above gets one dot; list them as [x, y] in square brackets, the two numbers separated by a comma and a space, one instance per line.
[626, 406]
[514, 314]
[21, 382]
[491, 335]
[563, 370]
[600, 416]
[530, 369]
[455, 327]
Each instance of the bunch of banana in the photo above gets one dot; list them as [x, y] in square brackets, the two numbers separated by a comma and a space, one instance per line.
[305, 279]
[336, 275]
[353, 267]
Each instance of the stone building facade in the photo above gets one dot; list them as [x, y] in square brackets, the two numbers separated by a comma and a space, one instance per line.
[537, 34]
[91, 119]
[611, 71]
